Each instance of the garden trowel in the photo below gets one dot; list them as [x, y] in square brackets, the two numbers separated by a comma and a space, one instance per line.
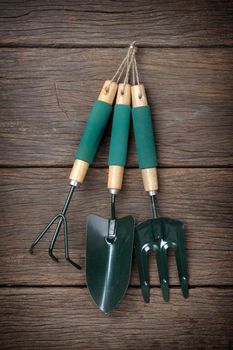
[109, 245]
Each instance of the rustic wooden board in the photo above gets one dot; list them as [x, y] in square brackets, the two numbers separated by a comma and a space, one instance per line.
[65, 318]
[107, 23]
[201, 198]
[54, 57]
[190, 92]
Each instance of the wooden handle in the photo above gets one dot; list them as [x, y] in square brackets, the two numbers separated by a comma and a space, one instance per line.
[123, 94]
[138, 96]
[79, 171]
[108, 92]
[115, 177]
[150, 179]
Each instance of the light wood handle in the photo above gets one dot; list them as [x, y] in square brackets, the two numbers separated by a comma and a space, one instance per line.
[115, 177]
[108, 92]
[79, 171]
[150, 179]
[123, 94]
[138, 96]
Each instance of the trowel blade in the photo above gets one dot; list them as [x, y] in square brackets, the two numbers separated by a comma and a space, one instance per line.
[108, 263]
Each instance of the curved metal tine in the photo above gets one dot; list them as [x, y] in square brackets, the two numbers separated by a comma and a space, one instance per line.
[162, 264]
[182, 267]
[55, 235]
[41, 235]
[66, 245]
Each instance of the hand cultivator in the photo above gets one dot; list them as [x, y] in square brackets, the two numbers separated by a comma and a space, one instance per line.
[84, 156]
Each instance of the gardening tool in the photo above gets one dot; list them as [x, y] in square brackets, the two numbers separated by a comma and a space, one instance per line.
[110, 241]
[85, 155]
[156, 234]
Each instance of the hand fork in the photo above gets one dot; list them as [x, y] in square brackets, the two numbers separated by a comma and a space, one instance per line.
[156, 234]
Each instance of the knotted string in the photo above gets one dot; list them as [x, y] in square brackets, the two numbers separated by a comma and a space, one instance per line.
[130, 61]
[124, 65]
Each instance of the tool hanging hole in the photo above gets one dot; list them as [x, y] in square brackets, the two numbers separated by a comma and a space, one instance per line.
[111, 237]
[110, 240]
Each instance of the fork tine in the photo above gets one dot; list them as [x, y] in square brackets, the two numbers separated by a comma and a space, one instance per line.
[162, 264]
[179, 251]
[143, 269]
[174, 236]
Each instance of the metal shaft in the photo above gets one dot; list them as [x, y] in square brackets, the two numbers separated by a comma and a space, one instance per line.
[113, 210]
[68, 199]
[154, 206]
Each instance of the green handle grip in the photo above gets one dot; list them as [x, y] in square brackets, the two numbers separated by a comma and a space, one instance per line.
[119, 135]
[93, 131]
[143, 131]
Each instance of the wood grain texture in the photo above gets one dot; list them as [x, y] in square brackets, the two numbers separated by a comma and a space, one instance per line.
[201, 198]
[65, 318]
[152, 23]
[47, 94]
[54, 58]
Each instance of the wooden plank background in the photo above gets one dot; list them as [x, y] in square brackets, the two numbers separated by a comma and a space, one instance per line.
[108, 23]
[54, 57]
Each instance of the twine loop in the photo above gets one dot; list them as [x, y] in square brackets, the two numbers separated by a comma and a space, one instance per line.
[125, 65]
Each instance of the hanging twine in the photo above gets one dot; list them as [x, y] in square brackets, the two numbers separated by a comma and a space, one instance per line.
[135, 76]
[124, 65]
[130, 61]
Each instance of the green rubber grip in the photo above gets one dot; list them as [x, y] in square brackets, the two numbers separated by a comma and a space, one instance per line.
[143, 131]
[93, 131]
[119, 135]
